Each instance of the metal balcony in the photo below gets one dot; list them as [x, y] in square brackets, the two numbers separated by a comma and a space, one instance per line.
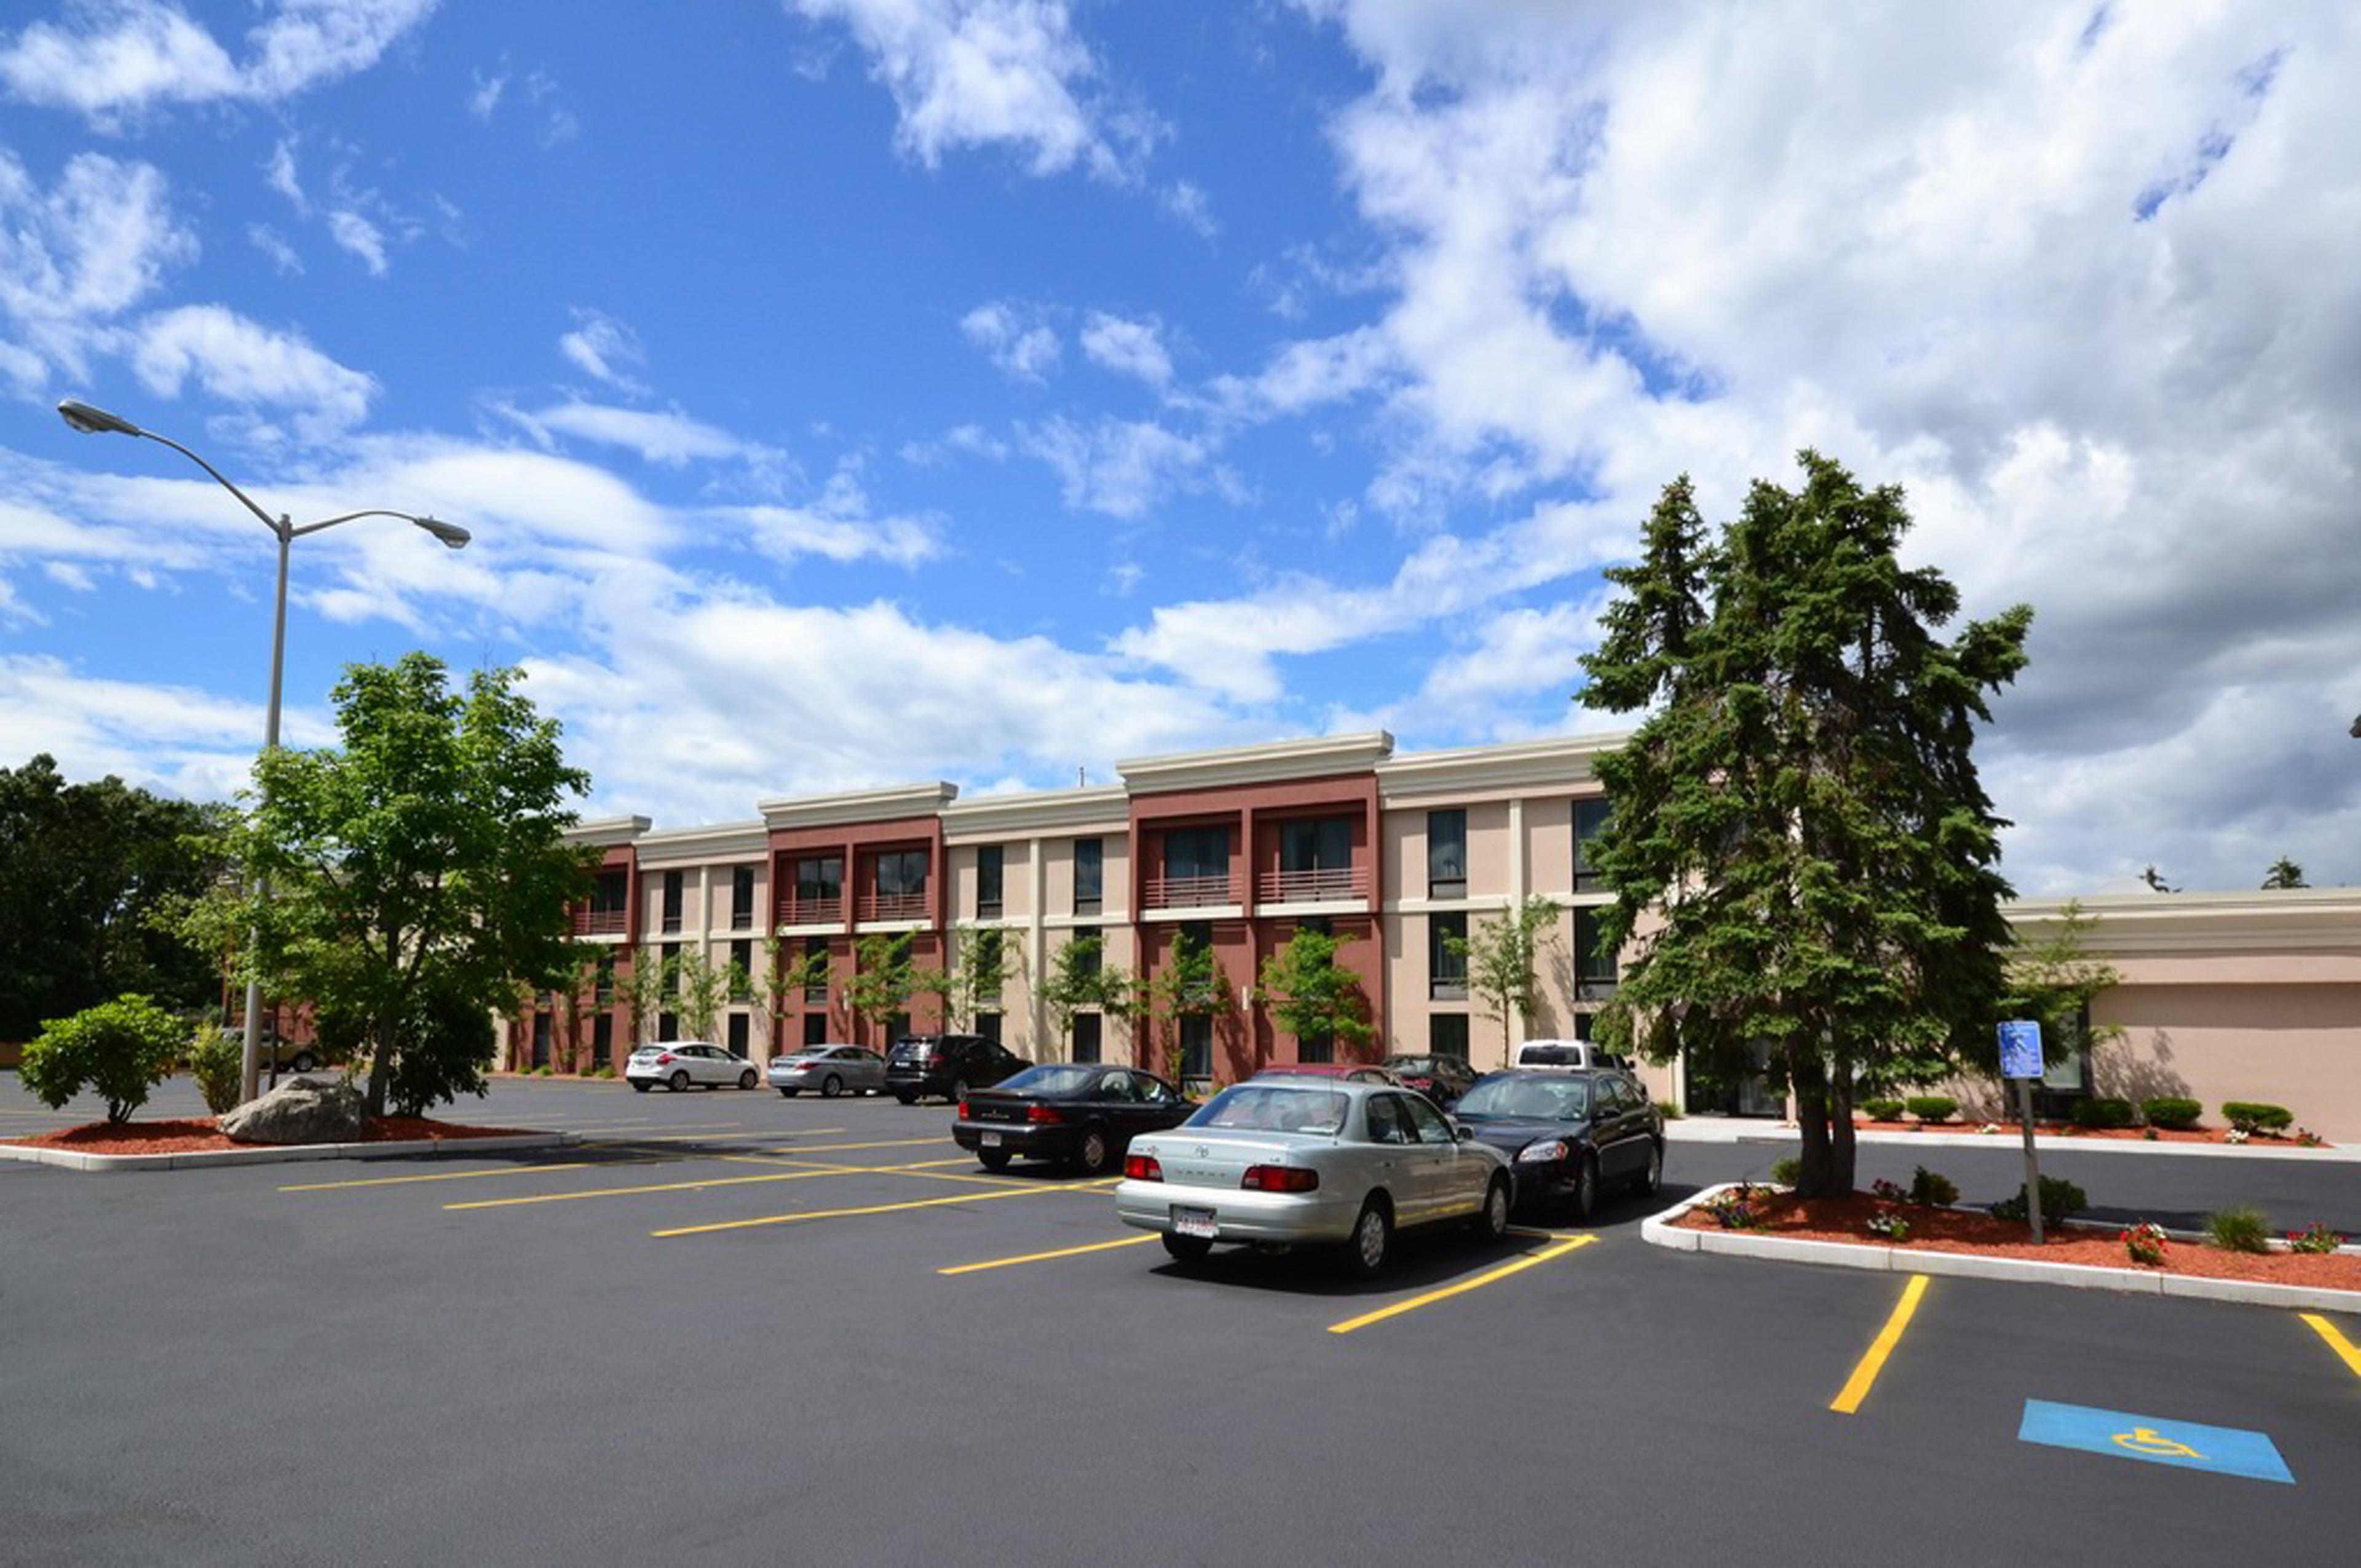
[1191, 892]
[1322, 884]
[795, 911]
[893, 906]
[598, 922]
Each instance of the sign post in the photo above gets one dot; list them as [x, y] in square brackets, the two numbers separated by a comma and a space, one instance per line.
[2020, 1058]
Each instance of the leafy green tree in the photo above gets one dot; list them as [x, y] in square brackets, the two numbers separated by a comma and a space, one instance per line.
[83, 869]
[1079, 979]
[884, 976]
[784, 979]
[1502, 955]
[982, 966]
[423, 857]
[700, 989]
[1310, 995]
[2052, 979]
[121, 1049]
[643, 990]
[2284, 874]
[1191, 984]
[1801, 807]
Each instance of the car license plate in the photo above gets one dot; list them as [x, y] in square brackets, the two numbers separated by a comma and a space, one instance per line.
[1194, 1222]
[991, 1140]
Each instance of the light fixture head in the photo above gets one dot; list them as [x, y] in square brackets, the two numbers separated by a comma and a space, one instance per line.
[450, 533]
[95, 420]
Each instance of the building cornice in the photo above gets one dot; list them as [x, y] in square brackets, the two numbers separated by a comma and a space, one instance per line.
[2298, 919]
[719, 841]
[861, 805]
[1103, 807]
[604, 831]
[1269, 762]
[1552, 764]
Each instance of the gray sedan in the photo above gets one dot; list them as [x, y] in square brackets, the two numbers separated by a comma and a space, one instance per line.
[1281, 1161]
[829, 1070]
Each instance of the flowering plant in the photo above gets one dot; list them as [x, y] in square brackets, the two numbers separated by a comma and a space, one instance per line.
[2234, 1135]
[1989, 1127]
[2315, 1237]
[2144, 1242]
[1891, 1192]
[1893, 1227]
[1734, 1210]
[2306, 1139]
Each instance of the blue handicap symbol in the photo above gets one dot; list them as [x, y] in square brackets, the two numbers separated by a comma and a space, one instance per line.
[2159, 1440]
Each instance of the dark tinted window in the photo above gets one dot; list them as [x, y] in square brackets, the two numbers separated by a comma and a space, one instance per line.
[1446, 1034]
[1090, 874]
[990, 867]
[1591, 819]
[821, 877]
[1446, 967]
[1326, 844]
[1197, 853]
[671, 888]
[741, 897]
[901, 872]
[1447, 854]
[1086, 1036]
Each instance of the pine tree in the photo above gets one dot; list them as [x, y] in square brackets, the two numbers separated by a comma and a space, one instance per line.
[2284, 874]
[1801, 807]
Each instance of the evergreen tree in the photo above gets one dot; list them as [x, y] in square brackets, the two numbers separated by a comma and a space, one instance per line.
[2284, 873]
[1801, 807]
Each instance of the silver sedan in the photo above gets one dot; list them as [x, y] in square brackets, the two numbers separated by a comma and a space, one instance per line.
[1275, 1162]
[828, 1070]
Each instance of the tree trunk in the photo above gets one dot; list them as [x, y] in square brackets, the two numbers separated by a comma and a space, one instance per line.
[381, 1068]
[1816, 1173]
[1841, 1144]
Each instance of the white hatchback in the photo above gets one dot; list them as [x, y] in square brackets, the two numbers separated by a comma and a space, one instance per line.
[680, 1063]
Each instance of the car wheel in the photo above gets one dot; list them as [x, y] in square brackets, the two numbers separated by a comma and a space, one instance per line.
[956, 1091]
[1585, 1201]
[679, 1080]
[1373, 1236]
[747, 1080]
[1091, 1154]
[831, 1087]
[1187, 1249]
[640, 1087]
[904, 1097]
[304, 1062]
[1492, 1220]
[788, 1094]
[992, 1159]
[1651, 1177]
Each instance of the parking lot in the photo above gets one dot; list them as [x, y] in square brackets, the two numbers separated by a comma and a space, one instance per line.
[730, 1328]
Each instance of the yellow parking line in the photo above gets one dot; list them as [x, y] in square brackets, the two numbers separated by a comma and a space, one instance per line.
[1045, 1257]
[2344, 1349]
[1857, 1387]
[621, 1140]
[1415, 1302]
[842, 1148]
[444, 1176]
[652, 1186]
[868, 1208]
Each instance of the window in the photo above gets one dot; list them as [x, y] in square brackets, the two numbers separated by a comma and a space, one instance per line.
[1447, 854]
[1594, 961]
[990, 867]
[1197, 1048]
[602, 1040]
[1087, 1036]
[1582, 1022]
[667, 1028]
[987, 956]
[739, 1024]
[672, 901]
[1428, 1123]
[609, 894]
[1090, 874]
[671, 969]
[1090, 957]
[988, 1026]
[1389, 1118]
[1447, 968]
[541, 1025]
[815, 1029]
[1315, 1048]
[901, 873]
[1197, 853]
[1322, 844]
[741, 897]
[816, 947]
[742, 972]
[1591, 819]
[1446, 1035]
[602, 984]
[820, 880]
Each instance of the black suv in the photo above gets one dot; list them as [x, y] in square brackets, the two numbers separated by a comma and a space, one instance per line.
[948, 1065]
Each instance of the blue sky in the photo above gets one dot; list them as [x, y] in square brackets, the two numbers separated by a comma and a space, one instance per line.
[856, 391]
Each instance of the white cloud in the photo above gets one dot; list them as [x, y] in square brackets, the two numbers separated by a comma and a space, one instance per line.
[281, 175]
[362, 237]
[111, 56]
[486, 98]
[985, 72]
[243, 362]
[604, 348]
[179, 738]
[1188, 203]
[1122, 467]
[671, 438]
[79, 254]
[272, 244]
[1128, 347]
[1015, 337]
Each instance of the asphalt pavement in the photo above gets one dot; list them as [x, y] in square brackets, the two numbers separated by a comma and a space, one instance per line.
[723, 1330]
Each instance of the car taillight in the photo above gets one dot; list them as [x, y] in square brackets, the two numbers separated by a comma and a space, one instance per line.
[1142, 1167]
[1280, 1178]
[663, 1058]
[1042, 1115]
[962, 1110]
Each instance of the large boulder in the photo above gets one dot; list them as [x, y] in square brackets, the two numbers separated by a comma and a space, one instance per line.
[299, 1111]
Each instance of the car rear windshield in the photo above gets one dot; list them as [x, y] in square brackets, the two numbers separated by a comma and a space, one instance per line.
[1274, 1108]
[1056, 1078]
[909, 1050]
[1547, 1099]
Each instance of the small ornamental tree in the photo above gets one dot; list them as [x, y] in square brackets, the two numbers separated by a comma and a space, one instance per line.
[883, 978]
[982, 965]
[1079, 979]
[1191, 984]
[2283, 875]
[120, 1048]
[1310, 996]
[1502, 956]
[700, 989]
[782, 979]
[2052, 979]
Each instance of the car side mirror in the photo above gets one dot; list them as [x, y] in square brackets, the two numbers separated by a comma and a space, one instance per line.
[1463, 1132]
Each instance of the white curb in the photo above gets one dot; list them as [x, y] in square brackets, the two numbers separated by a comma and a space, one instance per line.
[1658, 1230]
[75, 1160]
[1726, 1130]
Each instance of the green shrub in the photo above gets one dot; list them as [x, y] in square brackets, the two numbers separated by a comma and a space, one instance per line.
[2238, 1230]
[1935, 1108]
[1786, 1169]
[2061, 1201]
[1881, 1109]
[1927, 1187]
[602, 1071]
[2102, 1113]
[1672, 1112]
[121, 1049]
[2248, 1116]
[2180, 1115]
[217, 1059]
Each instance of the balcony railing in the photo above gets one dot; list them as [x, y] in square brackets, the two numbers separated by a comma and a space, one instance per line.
[1190, 891]
[798, 911]
[598, 922]
[893, 907]
[1322, 884]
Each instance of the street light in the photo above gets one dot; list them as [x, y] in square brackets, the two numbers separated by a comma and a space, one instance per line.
[93, 421]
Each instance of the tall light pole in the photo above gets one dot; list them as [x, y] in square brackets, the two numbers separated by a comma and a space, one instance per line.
[93, 421]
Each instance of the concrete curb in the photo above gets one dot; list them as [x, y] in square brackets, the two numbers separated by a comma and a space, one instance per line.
[74, 1160]
[1695, 1130]
[1658, 1230]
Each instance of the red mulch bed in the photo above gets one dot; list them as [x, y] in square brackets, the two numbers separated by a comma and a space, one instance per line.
[1953, 1229]
[200, 1134]
[2069, 1130]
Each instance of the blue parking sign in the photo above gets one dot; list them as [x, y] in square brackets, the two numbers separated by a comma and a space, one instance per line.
[2020, 1049]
